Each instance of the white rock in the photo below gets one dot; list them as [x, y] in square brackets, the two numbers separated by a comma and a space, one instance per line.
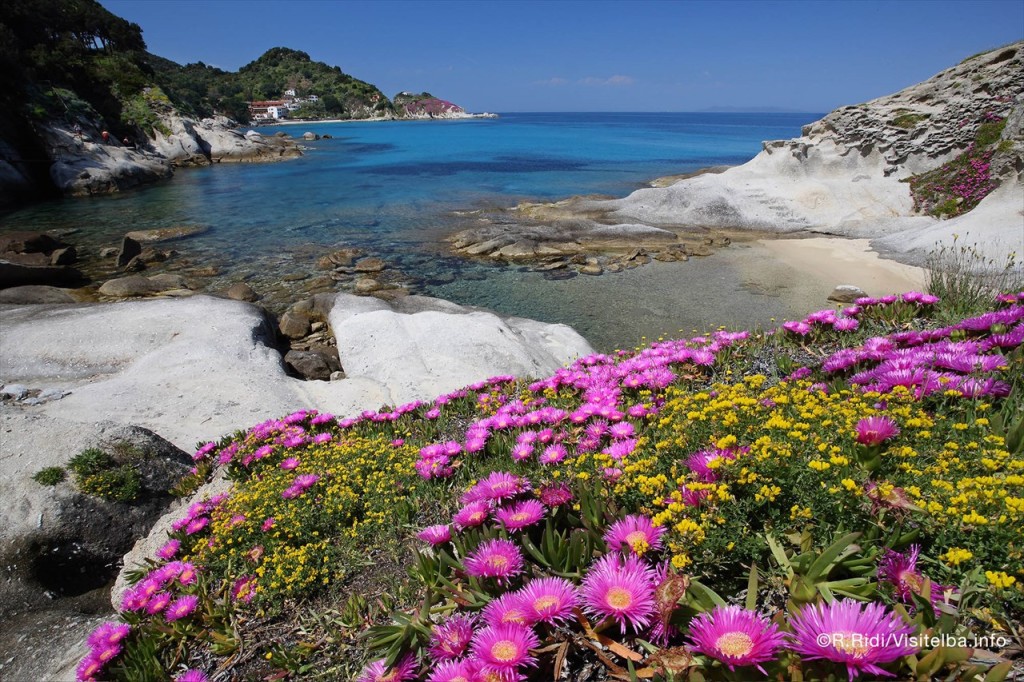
[197, 368]
[844, 176]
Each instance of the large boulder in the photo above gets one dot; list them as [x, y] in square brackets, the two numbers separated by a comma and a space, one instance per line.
[85, 168]
[199, 367]
[188, 142]
[56, 541]
[421, 347]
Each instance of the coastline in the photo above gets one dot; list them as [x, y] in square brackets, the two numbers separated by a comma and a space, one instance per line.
[373, 119]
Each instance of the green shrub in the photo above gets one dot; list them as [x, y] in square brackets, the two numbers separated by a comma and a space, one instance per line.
[50, 475]
[909, 119]
[97, 473]
[989, 133]
[90, 462]
[120, 484]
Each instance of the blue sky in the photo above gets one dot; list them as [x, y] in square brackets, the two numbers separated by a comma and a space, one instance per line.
[565, 55]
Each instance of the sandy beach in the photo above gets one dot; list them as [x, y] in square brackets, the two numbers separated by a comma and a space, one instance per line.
[757, 281]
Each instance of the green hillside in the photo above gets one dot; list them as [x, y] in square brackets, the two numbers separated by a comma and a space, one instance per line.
[206, 90]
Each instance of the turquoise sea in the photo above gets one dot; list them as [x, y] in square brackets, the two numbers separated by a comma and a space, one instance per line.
[395, 189]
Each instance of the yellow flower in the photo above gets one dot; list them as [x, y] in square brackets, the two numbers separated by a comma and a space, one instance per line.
[1000, 580]
[956, 556]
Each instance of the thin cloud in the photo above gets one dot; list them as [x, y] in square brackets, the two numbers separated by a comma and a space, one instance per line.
[611, 81]
[552, 82]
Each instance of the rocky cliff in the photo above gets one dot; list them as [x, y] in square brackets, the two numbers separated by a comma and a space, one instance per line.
[940, 158]
[852, 173]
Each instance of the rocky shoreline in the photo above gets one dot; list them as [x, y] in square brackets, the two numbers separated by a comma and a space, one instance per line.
[848, 176]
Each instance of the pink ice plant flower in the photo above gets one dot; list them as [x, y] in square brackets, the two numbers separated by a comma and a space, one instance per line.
[548, 600]
[182, 607]
[169, 549]
[436, 535]
[473, 514]
[876, 430]
[508, 608]
[900, 571]
[635, 534]
[244, 589]
[499, 559]
[555, 494]
[498, 486]
[88, 668]
[698, 463]
[553, 454]
[378, 671]
[520, 515]
[192, 675]
[736, 637]
[453, 671]
[620, 589]
[860, 636]
[504, 649]
[450, 639]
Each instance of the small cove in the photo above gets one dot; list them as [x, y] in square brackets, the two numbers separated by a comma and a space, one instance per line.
[395, 189]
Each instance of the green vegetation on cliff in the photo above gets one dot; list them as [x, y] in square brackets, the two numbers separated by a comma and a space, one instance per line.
[73, 61]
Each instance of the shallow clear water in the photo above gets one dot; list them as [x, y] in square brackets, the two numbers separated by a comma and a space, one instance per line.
[395, 188]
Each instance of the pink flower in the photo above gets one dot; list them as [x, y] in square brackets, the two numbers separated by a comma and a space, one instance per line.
[553, 454]
[508, 608]
[736, 636]
[548, 600]
[798, 328]
[378, 671]
[435, 535]
[157, 603]
[244, 589]
[634, 533]
[473, 514]
[698, 463]
[555, 494]
[520, 515]
[450, 639]
[268, 523]
[192, 675]
[88, 668]
[500, 559]
[876, 430]
[900, 571]
[860, 636]
[505, 648]
[169, 549]
[107, 634]
[453, 671]
[622, 590]
[498, 486]
[289, 464]
[181, 607]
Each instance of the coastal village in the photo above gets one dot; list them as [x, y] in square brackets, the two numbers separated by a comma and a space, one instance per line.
[280, 109]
